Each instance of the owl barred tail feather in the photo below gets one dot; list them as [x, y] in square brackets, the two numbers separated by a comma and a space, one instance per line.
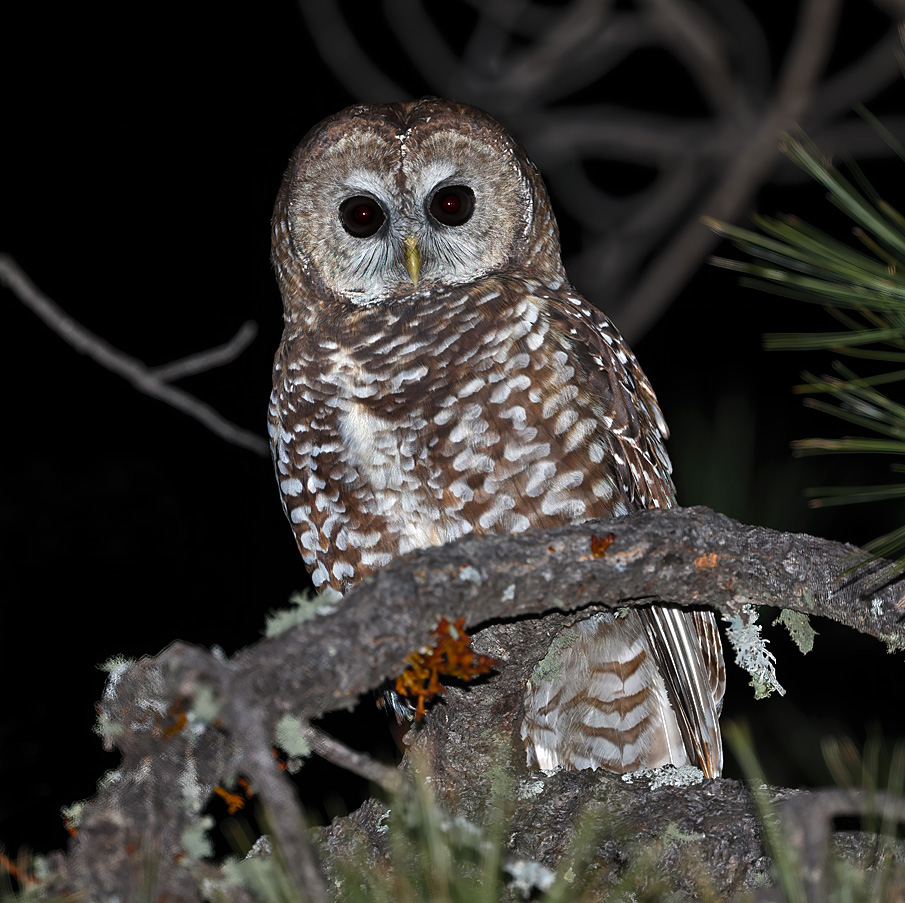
[603, 699]
[438, 376]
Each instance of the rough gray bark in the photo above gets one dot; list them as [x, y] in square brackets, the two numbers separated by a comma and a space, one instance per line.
[190, 719]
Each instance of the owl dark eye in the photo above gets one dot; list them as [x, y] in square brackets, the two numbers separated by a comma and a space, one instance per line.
[452, 205]
[361, 216]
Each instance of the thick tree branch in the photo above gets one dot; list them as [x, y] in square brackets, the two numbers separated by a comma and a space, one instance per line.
[690, 557]
[515, 593]
[807, 822]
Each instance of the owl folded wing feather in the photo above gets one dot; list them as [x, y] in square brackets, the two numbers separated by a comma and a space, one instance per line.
[676, 644]
[685, 645]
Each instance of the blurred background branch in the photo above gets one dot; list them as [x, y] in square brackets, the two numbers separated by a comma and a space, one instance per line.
[546, 73]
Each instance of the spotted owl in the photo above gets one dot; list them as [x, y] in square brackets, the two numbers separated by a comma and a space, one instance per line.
[439, 376]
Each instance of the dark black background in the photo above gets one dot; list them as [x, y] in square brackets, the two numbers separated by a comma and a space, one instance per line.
[142, 150]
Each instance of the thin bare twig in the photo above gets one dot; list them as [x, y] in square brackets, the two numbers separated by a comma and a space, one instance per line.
[359, 763]
[425, 46]
[750, 49]
[145, 379]
[700, 44]
[496, 24]
[875, 69]
[615, 42]
[203, 361]
[565, 40]
[853, 137]
[601, 130]
[520, 17]
[617, 256]
[524, 62]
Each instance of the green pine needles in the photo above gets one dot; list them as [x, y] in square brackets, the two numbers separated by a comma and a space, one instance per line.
[864, 290]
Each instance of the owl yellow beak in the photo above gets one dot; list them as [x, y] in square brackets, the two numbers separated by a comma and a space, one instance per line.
[412, 257]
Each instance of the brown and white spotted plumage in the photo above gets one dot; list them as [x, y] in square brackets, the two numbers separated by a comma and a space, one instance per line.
[438, 376]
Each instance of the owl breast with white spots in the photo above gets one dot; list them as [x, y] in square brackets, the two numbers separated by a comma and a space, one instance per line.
[439, 377]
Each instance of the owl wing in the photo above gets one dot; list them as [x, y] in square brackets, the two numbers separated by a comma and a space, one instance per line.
[685, 645]
[310, 462]
[678, 639]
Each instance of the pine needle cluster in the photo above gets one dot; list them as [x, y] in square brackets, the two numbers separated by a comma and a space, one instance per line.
[861, 288]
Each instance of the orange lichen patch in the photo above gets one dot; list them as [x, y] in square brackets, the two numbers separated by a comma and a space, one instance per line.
[173, 722]
[280, 758]
[20, 871]
[599, 544]
[71, 829]
[234, 801]
[449, 655]
[706, 561]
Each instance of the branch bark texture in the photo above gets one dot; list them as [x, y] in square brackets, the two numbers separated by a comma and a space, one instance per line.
[190, 719]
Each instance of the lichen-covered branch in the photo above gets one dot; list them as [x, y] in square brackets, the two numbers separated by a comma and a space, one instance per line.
[690, 557]
[189, 719]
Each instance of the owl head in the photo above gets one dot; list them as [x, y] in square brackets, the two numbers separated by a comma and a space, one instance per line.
[383, 202]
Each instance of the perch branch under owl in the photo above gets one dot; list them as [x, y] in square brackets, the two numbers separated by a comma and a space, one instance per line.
[324, 663]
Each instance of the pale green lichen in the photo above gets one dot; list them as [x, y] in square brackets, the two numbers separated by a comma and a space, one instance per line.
[73, 813]
[290, 734]
[106, 728]
[471, 574]
[531, 788]
[667, 776]
[195, 839]
[527, 877]
[205, 707]
[808, 598]
[116, 666]
[304, 607]
[893, 642]
[751, 651]
[261, 873]
[799, 627]
[674, 833]
[548, 667]
[193, 793]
